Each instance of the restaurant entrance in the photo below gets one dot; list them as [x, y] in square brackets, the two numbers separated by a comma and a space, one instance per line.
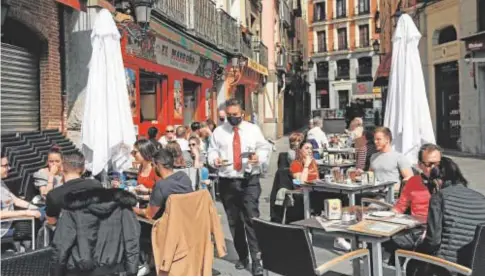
[191, 94]
[448, 105]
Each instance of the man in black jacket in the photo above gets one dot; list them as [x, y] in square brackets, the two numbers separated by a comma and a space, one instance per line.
[97, 234]
[454, 213]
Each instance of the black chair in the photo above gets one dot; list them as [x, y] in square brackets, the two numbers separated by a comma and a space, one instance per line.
[33, 263]
[287, 250]
[475, 255]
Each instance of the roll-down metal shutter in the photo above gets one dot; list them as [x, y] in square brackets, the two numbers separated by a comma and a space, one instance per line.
[20, 108]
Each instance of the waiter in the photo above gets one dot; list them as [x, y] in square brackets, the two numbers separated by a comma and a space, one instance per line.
[238, 149]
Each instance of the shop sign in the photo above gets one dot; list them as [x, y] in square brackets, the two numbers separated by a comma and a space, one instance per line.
[169, 54]
[376, 90]
[363, 88]
[475, 45]
[324, 92]
[187, 43]
[75, 4]
[254, 65]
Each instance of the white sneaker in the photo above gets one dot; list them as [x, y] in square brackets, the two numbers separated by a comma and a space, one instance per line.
[342, 244]
[143, 270]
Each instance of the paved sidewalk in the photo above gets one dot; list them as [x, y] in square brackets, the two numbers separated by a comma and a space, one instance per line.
[473, 169]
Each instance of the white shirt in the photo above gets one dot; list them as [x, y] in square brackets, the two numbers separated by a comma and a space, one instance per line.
[221, 146]
[184, 144]
[163, 141]
[318, 135]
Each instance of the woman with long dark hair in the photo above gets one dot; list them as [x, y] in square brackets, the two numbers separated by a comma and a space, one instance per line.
[182, 159]
[143, 152]
[50, 177]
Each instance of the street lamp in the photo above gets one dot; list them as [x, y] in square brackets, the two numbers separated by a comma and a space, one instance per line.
[143, 10]
[376, 46]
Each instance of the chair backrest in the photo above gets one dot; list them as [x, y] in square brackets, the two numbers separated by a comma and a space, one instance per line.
[34, 263]
[285, 249]
[478, 253]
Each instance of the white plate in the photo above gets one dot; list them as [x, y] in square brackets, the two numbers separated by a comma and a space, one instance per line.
[382, 214]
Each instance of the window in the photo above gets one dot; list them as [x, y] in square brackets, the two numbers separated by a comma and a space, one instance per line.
[322, 95]
[343, 68]
[365, 66]
[319, 12]
[481, 15]
[322, 70]
[364, 35]
[342, 38]
[322, 42]
[148, 98]
[364, 7]
[341, 8]
[447, 34]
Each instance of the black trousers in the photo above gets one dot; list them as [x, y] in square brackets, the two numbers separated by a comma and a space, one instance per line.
[240, 198]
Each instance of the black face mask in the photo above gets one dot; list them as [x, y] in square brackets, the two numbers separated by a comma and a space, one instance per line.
[234, 120]
[435, 173]
[222, 119]
[431, 180]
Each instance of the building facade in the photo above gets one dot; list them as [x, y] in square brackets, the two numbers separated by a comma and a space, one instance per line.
[341, 34]
[31, 66]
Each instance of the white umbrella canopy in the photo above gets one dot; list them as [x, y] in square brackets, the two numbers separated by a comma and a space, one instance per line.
[108, 133]
[407, 110]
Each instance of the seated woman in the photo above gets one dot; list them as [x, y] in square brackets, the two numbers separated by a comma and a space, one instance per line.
[50, 177]
[364, 148]
[182, 159]
[305, 169]
[295, 140]
[143, 152]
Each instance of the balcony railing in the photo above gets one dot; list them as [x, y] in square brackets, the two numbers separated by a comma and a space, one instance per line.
[322, 48]
[245, 45]
[285, 14]
[281, 59]
[227, 32]
[202, 19]
[174, 10]
[260, 51]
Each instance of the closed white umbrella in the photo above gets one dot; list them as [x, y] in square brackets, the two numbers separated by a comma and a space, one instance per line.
[108, 133]
[407, 110]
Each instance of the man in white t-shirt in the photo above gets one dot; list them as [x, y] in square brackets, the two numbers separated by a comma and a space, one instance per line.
[169, 135]
[317, 133]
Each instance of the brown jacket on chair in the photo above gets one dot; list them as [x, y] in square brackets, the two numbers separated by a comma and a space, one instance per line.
[182, 238]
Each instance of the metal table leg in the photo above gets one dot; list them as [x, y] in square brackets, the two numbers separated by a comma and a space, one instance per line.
[33, 233]
[351, 199]
[306, 202]
[356, 262]
[390, 195]
[377, 259]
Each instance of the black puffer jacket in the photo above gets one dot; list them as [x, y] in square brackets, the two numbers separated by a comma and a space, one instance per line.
[97, 234]
[454, 213]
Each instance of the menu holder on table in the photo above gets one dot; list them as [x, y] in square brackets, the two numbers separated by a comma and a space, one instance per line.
[377, 228]
[331, 225]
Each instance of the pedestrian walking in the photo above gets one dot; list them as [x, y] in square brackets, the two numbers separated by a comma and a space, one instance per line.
[239, 150]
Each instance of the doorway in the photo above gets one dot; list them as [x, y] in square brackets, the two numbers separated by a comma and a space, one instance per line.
[448, 105]
[191, 94]
[343, 99]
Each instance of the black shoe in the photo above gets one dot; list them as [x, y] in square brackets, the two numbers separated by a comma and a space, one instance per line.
[257, 269]
[242, 264]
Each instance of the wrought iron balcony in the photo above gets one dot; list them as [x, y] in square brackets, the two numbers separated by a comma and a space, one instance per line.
[285, 15]
[227, 32]
[245, 48]
[281, 59]
[202, 19]
[174, 10]
[260, 51]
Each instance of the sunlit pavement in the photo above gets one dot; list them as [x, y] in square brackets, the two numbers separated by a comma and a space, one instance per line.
[473, 169]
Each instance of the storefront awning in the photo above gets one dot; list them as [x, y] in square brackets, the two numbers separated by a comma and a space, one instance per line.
[254, 65]
[382, 74]
[75, 4]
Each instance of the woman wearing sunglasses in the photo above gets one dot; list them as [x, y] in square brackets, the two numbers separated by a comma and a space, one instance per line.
[143, 152]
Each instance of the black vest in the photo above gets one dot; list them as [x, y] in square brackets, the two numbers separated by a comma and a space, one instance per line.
[463, 210]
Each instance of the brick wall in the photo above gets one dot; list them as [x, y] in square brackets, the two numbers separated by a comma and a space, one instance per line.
[42, 18]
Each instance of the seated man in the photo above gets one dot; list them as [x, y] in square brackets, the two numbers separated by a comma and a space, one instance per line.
[454, 213]
[415, 197]
[73, 169]
[9, 202]
[387, 164]
[171, 183]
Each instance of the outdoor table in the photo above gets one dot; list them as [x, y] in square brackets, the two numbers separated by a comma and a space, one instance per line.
[322, 163]
[375, 240]
[24, 218]
[349, 190]
[336, 150]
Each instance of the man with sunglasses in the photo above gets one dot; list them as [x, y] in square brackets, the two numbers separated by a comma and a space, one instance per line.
[169, 136]
[415, 197]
